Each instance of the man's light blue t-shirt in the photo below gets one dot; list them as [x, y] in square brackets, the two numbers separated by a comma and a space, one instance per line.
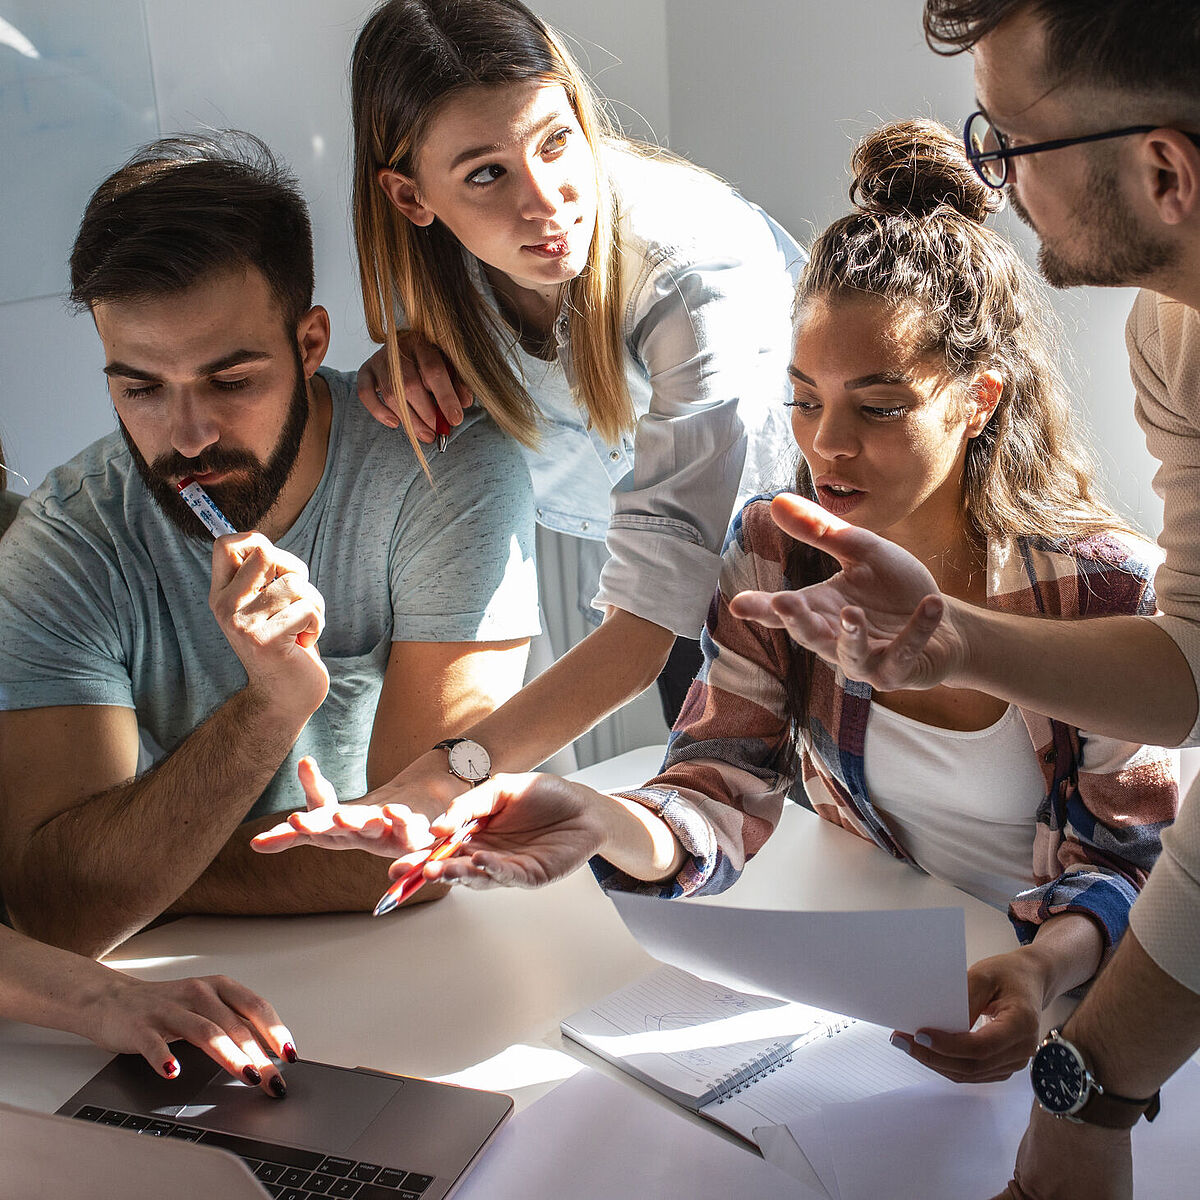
[103, 601]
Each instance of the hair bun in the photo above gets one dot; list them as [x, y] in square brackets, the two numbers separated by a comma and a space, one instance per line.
[915, 167]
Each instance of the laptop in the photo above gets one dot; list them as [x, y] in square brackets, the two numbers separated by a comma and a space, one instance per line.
[340, 1132]
[44, 1157]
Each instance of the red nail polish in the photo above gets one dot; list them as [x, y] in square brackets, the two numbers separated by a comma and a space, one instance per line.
[278, 1086]
[251, 1075]
[171, 1068]
[289, 1052]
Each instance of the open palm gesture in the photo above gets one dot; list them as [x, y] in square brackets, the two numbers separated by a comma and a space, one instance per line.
[539, 829]
[881, 618]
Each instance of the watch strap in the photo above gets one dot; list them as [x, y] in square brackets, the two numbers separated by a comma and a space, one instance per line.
[1111, 1111]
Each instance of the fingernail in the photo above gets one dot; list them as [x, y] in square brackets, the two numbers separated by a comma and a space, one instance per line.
[278, 1086]
[251, 1075]
[171, 1067]
[923, 1039]
[289, 1052]
[900, 1043]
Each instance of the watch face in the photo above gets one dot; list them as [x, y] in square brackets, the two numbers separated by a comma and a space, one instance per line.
[1058, 1078]
[470, 761]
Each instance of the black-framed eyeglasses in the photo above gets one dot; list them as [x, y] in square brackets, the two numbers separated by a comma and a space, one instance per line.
[988, 150]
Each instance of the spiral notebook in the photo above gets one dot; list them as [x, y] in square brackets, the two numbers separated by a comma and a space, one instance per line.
[738, 1060]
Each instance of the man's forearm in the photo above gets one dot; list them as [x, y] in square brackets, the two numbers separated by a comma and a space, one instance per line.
[94, 874]
[1137, 1025]
[305, 880]
[1118, 676]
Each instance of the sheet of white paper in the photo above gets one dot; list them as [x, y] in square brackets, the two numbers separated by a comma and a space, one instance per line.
[942, 1142]
[779, 1148]
[904, 969]
[592, 1139]
[811, 1140]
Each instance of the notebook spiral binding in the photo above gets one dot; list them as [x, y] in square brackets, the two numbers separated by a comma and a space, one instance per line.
[776, 1055]
[752, 1071]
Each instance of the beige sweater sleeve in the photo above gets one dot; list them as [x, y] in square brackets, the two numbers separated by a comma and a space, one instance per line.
[1163, 337]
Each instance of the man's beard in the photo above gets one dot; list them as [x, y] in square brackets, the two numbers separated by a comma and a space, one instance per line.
[245, 499]
[1118, 253]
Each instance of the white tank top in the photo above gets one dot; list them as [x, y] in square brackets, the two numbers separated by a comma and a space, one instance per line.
[963, 805]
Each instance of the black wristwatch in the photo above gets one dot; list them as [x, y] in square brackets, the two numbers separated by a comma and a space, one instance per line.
[1065, 1087]
[467, 759]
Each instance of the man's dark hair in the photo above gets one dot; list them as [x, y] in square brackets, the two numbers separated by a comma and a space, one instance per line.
[1135, 45]
[185, 207]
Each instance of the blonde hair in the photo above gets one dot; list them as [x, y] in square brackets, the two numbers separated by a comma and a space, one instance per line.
[410, 56]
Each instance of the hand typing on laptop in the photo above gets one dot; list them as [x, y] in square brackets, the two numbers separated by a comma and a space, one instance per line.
[46, 986]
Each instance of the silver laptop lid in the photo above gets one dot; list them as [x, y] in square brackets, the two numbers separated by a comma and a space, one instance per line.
[46, 1157]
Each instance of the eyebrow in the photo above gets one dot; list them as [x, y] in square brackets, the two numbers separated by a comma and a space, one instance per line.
[522, 135]
[235, 359]
[885, 378]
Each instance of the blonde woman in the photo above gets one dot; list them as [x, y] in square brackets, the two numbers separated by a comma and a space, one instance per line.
[621, 313]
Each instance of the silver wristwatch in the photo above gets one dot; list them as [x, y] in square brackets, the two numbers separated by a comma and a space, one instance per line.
[467, 759]
[1065, 1087]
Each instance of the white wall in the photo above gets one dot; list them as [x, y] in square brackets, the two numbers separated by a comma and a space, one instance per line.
[280, 69]
[773, 95]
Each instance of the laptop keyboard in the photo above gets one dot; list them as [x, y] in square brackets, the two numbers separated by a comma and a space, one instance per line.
[286, 1172]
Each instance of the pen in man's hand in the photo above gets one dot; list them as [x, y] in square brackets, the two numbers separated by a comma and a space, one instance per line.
[414, 877]
[200, 502]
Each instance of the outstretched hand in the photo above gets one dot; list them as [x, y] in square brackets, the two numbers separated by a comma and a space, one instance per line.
[881, 618]
[388, 830]
[539, 829]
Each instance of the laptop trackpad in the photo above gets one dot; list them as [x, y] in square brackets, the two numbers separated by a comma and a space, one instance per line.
[325, 1106]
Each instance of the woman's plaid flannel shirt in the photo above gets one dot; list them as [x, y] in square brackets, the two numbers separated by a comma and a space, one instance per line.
[722, 793]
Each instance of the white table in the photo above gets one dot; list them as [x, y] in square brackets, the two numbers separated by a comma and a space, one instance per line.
[443, 989]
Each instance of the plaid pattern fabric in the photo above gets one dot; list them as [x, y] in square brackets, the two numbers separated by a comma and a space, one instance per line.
[725, 778]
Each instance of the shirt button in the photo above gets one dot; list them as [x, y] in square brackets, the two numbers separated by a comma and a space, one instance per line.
[614, 455]
[540, 513]
[583, 525]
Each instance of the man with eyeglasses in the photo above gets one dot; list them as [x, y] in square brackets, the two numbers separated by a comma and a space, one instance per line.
[1089, 118]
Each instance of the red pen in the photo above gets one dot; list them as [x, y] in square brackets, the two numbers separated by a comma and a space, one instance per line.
[414, 877]
[441, 429]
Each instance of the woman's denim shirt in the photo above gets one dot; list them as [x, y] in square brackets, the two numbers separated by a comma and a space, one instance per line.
[707, 281]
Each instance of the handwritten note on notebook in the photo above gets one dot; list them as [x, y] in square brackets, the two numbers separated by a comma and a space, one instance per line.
[741, 1061]
[905, 969]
